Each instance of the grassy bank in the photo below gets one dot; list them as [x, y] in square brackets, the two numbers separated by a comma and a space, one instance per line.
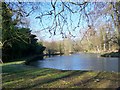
[105, 54]
[111, 54]
[18, 75]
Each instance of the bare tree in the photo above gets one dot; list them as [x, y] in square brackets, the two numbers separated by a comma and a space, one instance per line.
[60, 15]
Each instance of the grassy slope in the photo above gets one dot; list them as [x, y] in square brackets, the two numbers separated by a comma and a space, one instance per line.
[18, 75]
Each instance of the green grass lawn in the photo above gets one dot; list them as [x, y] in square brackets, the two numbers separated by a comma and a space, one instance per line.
[18, 75]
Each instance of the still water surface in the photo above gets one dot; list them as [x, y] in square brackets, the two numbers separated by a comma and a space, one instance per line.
[80, 61]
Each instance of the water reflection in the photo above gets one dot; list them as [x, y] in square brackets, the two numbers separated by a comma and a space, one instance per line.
[80, 61]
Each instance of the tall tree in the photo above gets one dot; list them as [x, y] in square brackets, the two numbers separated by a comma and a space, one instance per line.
[116, 20]
[17, 42]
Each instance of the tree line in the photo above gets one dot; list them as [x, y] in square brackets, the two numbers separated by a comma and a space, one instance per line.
[96, 40]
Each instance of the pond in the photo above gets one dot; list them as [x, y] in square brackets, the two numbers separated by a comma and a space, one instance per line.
[81, 61]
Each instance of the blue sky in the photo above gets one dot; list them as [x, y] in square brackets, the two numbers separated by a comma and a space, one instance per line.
[36, 27]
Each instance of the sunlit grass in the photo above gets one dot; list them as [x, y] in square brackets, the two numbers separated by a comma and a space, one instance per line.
[19, 75]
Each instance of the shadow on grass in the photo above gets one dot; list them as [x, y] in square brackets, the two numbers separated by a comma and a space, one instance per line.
[18, 71]
[19, 74]
[26, 74]
[50, 80]
[26, 77]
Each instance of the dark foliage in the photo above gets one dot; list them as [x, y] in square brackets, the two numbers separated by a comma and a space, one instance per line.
[17, 42]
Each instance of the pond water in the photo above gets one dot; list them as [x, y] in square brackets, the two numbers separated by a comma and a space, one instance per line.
[81, 61]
